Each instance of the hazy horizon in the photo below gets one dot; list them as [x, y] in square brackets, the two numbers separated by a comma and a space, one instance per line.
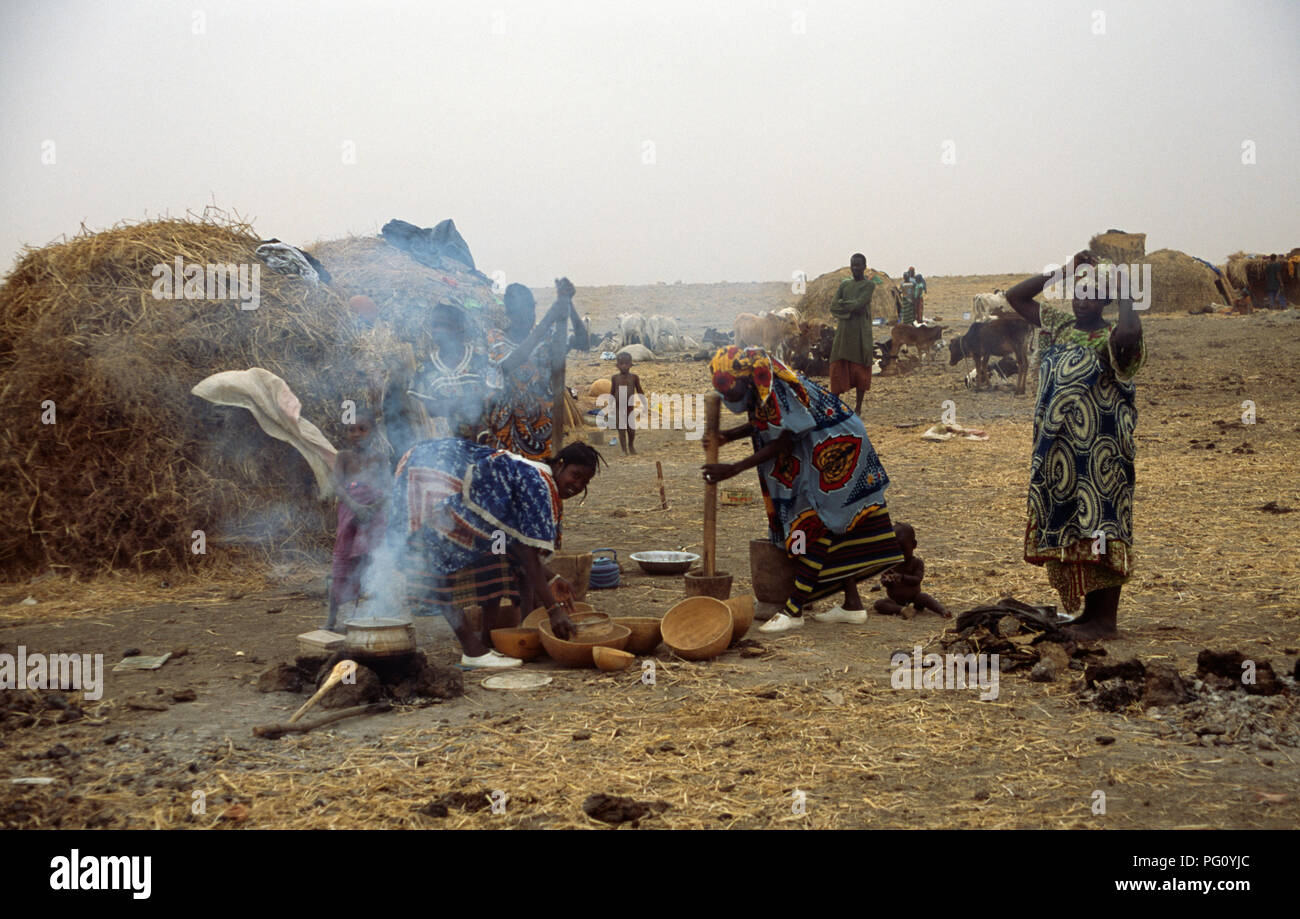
[699, 142]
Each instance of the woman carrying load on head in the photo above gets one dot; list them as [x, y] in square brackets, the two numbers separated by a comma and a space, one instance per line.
[823, 486]
[457, 508]
[1081, 476]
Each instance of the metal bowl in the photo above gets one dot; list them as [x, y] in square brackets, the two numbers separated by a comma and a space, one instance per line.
[665, 562]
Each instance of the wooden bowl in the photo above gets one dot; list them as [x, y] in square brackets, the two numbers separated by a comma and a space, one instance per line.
[611, 659]
[578, 653]
[525, 644]
[742, 615]
[645, 633]
[534, 619]
[698, 628]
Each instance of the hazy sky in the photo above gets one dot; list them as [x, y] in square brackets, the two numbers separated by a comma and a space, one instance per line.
[656, 141]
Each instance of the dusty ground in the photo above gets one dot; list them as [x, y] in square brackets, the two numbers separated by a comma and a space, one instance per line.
[729, 742]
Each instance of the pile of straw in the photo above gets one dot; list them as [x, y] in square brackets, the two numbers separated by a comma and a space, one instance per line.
[1118, 246]
[134, 463]
[817, 300]
[405, 290]
[1180, 283]
[1248, 271]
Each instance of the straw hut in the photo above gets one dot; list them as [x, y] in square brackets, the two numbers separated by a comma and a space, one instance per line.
[1245, 270]
[1181, 283]
[106, 458]
[1118, 246]
[817, 299]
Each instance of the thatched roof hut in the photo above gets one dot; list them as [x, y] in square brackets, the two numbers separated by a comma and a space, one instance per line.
[1248, 271]
[817, 299]
[1180, 282]
[1118, 246]
[405, 290]
[133, 463]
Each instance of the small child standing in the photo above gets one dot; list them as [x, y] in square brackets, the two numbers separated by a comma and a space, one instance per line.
[625, 386]
[361, 479]
[903, 582]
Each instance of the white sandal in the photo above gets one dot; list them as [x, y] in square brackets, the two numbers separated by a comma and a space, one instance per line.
[490, 661]
[781, 623]
[840, 614]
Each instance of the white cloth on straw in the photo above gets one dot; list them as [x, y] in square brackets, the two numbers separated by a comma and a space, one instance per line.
[277, 410]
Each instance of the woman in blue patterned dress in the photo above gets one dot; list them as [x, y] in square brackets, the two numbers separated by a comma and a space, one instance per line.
[457, 507]
[823, 486]
[1081, 476]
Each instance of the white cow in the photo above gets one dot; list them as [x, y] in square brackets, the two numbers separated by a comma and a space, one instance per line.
[664, 333]
[632, 329]
[985, 306]
[789, 313]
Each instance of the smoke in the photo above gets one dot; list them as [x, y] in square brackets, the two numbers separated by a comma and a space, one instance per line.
[456, 386]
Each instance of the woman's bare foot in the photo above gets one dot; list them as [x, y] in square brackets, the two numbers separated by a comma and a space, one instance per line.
[1100, 616]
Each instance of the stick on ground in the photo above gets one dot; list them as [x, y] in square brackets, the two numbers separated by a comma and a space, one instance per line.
[272, 731]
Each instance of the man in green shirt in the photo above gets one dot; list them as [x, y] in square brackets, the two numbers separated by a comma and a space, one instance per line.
[851, 351]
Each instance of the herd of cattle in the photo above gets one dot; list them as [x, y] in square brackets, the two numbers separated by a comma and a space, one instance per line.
[805, 344]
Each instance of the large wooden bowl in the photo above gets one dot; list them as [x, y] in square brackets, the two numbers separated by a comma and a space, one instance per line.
[610, 659]
[525, 644]
[578, 653]
[645, 633]
[742, 615]
[698, 628]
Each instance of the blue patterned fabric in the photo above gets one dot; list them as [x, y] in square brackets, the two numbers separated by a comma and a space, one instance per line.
[1081, 475]
[832, 474]
[450, 497]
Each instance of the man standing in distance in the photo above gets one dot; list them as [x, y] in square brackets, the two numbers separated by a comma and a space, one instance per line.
[851, 351]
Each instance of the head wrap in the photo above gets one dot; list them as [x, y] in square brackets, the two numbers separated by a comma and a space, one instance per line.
[735, 363]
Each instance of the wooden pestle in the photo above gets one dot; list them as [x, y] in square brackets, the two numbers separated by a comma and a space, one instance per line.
[712, 414]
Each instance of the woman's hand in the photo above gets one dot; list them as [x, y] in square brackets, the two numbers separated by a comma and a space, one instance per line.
[564, 288]
[561, 625]
[718, 472]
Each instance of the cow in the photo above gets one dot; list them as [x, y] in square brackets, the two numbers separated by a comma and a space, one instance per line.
[663, 333]
[790, 313]
[810, 350]
[1004, 368]
[986, 306]
[768, 331]
[997, 337]
[632, 329]
[922, 338]
[749, 331]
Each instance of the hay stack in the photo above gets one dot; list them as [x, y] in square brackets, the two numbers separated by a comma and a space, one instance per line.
[404, 289]
[134, 462]
[817, 299]
[1180, 283]
[1118, 246]
[1248, 271]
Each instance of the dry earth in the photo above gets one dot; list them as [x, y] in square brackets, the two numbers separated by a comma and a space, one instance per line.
[730, 742]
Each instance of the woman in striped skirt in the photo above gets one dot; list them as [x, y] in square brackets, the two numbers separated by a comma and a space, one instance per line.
[823, 485]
